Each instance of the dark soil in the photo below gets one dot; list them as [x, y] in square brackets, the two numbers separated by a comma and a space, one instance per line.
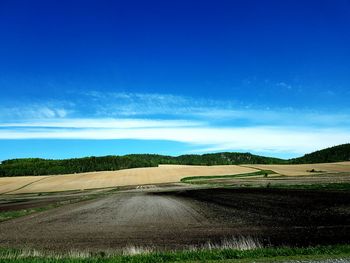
[179, 219]
[291, 217]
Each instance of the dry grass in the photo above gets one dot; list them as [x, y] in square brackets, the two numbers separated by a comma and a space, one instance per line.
[303, 169]
[31, 253]
[137, 250]
[137, 176]
[238, 243]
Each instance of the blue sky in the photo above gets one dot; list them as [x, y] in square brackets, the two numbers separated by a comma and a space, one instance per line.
[82, 78]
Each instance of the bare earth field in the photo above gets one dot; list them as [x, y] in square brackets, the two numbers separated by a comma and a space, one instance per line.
[302, 169]
[150, 210]
[136, 176]
[180, 219]
[278, 180]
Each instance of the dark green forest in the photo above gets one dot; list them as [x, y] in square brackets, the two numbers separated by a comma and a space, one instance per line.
[337, 153]
[37, 166]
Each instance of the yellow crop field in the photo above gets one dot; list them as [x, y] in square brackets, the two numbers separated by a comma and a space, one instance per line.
[136, 176]
[150, 175]
[9, 184]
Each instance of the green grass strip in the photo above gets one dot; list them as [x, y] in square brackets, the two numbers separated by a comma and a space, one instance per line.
[8, 255]
[7, 215]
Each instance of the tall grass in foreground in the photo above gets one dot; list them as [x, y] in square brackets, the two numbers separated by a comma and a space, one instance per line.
[236, 243]
[228, 249]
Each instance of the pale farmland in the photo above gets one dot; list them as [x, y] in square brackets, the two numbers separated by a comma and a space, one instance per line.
[91, 180]
[152, 175]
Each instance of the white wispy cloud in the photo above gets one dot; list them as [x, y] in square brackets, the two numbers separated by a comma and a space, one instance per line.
[268, 139]
[101, 123]
[284, 85]
[144, 104]
[33, 111]
[122, 105]
[209, 125]
[140, 105]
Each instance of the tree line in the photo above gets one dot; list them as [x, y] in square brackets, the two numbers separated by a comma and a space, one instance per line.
[37, 166]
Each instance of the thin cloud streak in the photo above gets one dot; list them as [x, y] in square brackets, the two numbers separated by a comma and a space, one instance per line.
[103, 123]
[268, 139]
[208, 125]
[94, 105]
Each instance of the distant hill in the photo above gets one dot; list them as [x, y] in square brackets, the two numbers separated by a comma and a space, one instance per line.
[36, 166]
[223, 158]
[337, 153]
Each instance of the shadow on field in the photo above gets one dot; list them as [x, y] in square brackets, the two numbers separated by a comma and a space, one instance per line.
[277, 216]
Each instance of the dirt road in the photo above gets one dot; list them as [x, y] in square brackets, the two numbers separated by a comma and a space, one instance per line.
[179, 219]
[116, 221]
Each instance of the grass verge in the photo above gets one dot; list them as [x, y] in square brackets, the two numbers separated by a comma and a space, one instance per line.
[203, 255]
[327, 186]
[203, 179]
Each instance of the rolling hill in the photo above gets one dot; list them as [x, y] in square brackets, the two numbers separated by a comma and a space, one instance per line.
[36, 166]
[339, 153]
